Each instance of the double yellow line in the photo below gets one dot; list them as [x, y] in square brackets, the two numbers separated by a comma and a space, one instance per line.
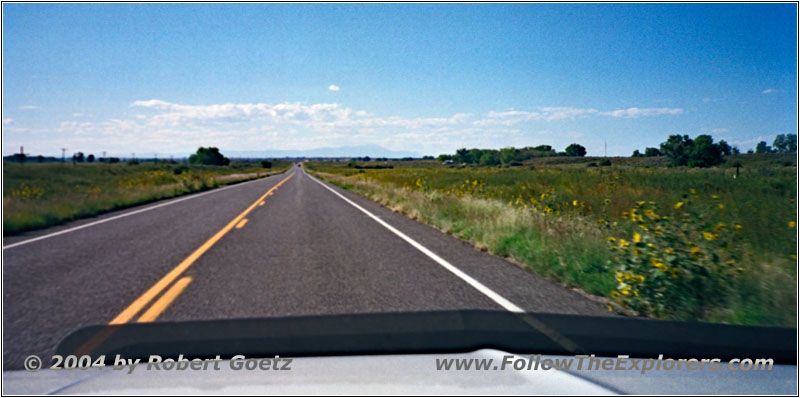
[167, 298]
[159, 306]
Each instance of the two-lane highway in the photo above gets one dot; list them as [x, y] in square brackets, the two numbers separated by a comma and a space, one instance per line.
[281, 246]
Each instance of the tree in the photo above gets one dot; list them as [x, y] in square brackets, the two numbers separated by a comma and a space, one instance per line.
[651, 152]
[785, 143]
[677, 148]
[762, 147]
[724, 147]
[704, 153]
[90, 158]
[637, 154]
[461, 155]
[791, 144]
[210, 156]
[735, 150]
[490, 158]
[508, 155]
[78, 157]
[575, 150]
[698, 152]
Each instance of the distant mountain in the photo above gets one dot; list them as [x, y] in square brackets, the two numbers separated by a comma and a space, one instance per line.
[375, 151]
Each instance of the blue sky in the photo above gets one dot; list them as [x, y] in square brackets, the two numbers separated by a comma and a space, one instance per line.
[426, 78]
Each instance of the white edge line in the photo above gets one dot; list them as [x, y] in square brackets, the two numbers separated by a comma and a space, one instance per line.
[502, 301]
[197, 195]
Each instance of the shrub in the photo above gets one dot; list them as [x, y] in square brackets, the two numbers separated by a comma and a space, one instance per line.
[605, 162]
[266, 164]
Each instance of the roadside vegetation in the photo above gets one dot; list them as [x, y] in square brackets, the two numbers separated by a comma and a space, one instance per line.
[673, 242]
[38, 195]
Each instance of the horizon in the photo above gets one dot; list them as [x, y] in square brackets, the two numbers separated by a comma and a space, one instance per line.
[409, 78]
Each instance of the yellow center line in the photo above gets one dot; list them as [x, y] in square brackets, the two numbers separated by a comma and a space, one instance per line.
[241, 223]
[151, 293]
[165, 300]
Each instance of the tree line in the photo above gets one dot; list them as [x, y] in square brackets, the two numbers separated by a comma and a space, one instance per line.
[702, 151]
[510, 156]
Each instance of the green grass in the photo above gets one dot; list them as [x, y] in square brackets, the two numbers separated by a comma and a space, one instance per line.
[42, 195]
[555, 215]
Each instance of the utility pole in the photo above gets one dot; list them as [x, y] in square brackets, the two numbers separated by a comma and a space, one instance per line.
[605, 149]
[63, 156]
[104, 156]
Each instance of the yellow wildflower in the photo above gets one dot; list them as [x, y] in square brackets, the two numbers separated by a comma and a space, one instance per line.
[637, 237]
[678, 205]
[720, 227]
[640, 203]
[696, 252]
[623, 243]
[709, 236]
[792, 224]
[611, 239]
[693, 191]
[575, 202]
[675, 273]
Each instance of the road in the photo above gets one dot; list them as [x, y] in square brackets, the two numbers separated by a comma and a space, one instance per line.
[306, 248]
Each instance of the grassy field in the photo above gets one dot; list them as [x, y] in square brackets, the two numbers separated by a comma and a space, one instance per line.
[672, 243]
[41, 195]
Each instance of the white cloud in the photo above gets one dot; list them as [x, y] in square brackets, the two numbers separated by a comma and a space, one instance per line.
[323, 116]
[72, 125]
[28, 107]
[719, 130]
[8, 120]
[511, 117]
[769, 91]
[179, 127]
[641, 112]
[333, 87]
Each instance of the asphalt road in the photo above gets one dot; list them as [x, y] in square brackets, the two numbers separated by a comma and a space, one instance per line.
[303, 250]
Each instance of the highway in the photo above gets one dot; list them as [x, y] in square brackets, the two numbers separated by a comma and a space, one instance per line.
[284, 245]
